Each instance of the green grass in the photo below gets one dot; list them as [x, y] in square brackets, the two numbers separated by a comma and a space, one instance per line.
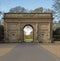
[28, 40]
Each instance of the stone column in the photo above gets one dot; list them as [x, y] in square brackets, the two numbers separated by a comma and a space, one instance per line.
[35, 32]
[51, 31]
[6, 38]
[19, 32]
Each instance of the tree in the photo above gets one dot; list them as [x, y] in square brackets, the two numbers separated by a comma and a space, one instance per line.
[18, 9]
[48, 11]
[38, 10]
[0, 12]
[57, 8]
[1, 17]
[42, 10]
[59, 22]
[56, 34]
[1, 33]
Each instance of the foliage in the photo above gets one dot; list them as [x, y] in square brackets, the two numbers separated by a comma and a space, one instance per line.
[56, 34]
[38, 10]
[18, 9]
[49, 11]
[1, 33]
[57, 31]
[42, 10]
[0, 12]
[28, 38]
[57, 8]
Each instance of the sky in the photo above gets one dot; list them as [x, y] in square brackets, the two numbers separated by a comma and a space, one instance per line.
[28, 30]
[5, 5]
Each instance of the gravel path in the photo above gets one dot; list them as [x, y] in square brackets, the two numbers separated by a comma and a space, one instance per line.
[6, 48]
[29, 52]
[53, 48]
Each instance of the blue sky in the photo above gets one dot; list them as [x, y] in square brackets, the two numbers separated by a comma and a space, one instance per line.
[5, 5]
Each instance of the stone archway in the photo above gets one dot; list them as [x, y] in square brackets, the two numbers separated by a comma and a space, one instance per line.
[28, 33]
[15, 22]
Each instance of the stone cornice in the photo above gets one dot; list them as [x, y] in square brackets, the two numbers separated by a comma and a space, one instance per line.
[25, 15]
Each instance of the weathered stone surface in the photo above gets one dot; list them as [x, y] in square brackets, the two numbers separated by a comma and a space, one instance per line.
[14, 24]
[29, 15]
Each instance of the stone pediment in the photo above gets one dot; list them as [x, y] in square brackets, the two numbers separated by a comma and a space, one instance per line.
[27, 15]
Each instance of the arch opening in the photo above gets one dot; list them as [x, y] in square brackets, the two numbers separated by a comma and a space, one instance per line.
[28, 33]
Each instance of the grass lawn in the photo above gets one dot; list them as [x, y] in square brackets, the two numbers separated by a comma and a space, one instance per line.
[28, 40]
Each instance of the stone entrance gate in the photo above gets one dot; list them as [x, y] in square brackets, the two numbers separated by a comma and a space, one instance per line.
[15, 22]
